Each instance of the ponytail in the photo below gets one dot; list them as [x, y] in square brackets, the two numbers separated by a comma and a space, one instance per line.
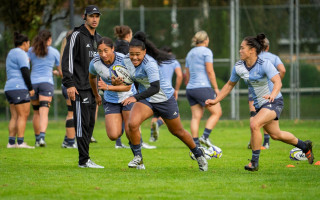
[40, 43]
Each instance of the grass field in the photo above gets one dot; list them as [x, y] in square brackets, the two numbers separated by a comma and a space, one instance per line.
[52, 172]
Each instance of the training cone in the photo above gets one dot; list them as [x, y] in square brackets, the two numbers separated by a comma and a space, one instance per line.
[317, 163]
[290, 166]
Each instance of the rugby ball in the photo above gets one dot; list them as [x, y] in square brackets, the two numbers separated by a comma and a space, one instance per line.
[297, 154]
[122, 71]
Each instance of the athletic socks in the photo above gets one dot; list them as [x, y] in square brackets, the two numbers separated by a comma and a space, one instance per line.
[301, 145]
[266, 139]
[206, 133]
[118, 141]
[37, 138]
[42, 135]
[20, 140]
[70, 141]
[12, 140]
[159, 122]
[196, 140]
[196, 152]
[255, 156]
[137, 150]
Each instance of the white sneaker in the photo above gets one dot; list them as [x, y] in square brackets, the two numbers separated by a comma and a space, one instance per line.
[42, 143]
[24, 146]
[10, 146]
[206, 142]
[68, 146]
[90, 164]
[137, 163]
[92, 140]
[155, 133]
[147, 146]
[202, 162]
[122, 146]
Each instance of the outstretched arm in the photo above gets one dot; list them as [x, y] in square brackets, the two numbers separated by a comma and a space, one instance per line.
[222, 94]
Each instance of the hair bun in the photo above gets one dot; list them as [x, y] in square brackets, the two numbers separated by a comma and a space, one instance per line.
[140, 36]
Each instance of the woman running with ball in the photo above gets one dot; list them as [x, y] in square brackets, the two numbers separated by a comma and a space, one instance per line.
[264, 83]
[155, 96]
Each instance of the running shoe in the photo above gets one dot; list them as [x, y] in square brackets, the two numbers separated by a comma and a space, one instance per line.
[152, 139]
[10, 146]
[205, 141]
[69, 146]
[122, 146]
[309, 153]
[42, 143]
[137, 163]
[147, 146]
[266, 146]
[24, 146]
[202, 162]
[249, 145]
[90, 164]
[252, 166]
[92, 140]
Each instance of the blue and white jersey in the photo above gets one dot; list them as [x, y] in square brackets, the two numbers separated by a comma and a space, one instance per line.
[16, 59]
[98, 67]
[257, 78]
[274, 59]
[146, 73]
[196, 62]
[167, 69]
[42, 66]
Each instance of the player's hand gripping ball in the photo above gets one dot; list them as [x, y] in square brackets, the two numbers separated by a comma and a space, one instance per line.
[122, 72]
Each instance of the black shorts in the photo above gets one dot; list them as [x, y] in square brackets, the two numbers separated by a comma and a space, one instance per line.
[44, 89]
[17, 96]
[276, 105]
[200, 95]
[112, 108]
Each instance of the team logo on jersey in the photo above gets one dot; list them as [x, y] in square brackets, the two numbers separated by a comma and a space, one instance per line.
[88, 45]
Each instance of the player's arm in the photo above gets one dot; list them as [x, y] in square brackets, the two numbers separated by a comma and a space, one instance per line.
[187, 76]
[179, 78]
[282, 70]
[212, 76]
[277, 84]
[222, 94]
[116, 88]
[94, 87]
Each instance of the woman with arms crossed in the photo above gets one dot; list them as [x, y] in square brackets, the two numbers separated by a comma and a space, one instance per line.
[264, 83]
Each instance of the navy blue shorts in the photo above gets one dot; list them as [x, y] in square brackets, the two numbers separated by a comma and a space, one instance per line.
[112, 108]
[276, 105]
[64, 92]
[44, 89]
[200, 95]
[17, 96]
[167, 110]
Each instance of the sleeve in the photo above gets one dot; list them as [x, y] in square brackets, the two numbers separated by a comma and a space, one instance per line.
[57, 57]
[23, 61]
[68, 58]
[26, 77]
[208, 56]
[277, 61]
[234, 76]
[176, 64]
[153, 89]
[269, 69]
[152, 70]
[187, 62]
[92, 70]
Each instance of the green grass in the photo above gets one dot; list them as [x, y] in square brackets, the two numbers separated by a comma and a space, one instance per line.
[52, 172]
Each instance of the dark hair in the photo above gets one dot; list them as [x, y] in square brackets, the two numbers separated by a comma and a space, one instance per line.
[140, 40]
[121, 31]
[40, 43]
[166, 49]
[19, 38]
[257, 42]
[107, 41]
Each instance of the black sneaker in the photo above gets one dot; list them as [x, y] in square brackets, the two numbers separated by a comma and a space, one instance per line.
[309, 153]
[252, 166]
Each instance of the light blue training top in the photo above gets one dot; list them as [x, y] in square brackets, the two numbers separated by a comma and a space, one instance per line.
[196, 62]
[146, 73]
[42, 66]
[98, 67]
[167, 69]
[257, 78]
[16, 59]
[274, 59]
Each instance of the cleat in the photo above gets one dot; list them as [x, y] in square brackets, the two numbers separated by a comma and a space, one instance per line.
[155, 133]
[24, 146]
[122, 146]
[309, 153]
[152, 139]
[69, 146]
[252, 166]
[90, 164]
[92, 140]
[137, 163]
[249, 145]
[147, 146]
[10, 146]
[42, 143]
[206, 142]
[202, 162]
[266, 146]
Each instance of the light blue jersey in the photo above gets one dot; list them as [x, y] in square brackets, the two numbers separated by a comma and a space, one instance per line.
[146, 73]
[196, 62]
[167, 69]
[42, 66]
[257, 78]
[16, 59]
[98, 67]
[274, 59]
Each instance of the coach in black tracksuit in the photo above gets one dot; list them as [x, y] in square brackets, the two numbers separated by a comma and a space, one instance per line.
[80, 49]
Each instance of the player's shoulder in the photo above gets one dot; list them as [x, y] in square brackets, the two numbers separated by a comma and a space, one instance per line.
[96, 59]
[239, 63]
[119, 56]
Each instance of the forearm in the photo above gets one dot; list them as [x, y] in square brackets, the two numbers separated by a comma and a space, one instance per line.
[276, 88]
[119, 88]
[178, 83]
[93, 84]
[225, 91]
[26, 77]
[153, 89]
